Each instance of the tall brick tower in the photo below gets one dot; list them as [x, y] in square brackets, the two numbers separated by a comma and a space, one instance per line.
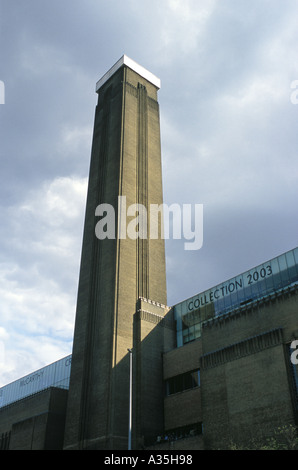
[119, 275]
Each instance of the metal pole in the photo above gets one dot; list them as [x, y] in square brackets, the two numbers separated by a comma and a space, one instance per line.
[130, 399]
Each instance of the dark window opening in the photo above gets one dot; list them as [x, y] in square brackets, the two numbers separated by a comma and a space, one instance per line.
[182, 382]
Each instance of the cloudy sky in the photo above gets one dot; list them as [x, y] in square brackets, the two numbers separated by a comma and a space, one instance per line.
[229, 134]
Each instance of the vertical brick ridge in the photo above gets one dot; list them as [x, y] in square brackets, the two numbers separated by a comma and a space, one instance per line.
[142, 188]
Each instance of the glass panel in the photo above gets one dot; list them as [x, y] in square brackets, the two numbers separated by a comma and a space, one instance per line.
[171, 386]
[220, 307]
[196, 378]
[198, 328]
[283, 270]
[191, 333]
[185, 336]
[276, 274]
[292, 266]
[267, 272]
[295, 252]
[179, 383]
[187, 381]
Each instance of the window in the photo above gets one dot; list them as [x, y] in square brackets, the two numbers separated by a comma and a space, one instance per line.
[182, 382]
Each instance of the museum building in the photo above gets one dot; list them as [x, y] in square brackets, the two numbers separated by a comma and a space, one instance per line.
[212, 370]
[229, 373]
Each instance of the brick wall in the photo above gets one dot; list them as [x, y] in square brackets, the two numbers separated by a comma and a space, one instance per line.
[245, 379]
[36, 422]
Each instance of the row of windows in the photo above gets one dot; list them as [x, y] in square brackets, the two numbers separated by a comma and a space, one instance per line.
[182, 382]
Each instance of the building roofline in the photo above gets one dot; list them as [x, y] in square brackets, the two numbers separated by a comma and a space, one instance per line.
[124, 60]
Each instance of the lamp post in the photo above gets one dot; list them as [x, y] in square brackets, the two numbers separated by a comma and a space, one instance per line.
[130, 399]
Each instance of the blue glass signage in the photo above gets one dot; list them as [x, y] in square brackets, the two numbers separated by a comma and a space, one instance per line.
[53, 375]
[258, 282]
